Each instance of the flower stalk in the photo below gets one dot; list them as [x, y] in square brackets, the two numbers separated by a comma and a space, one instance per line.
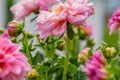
[26, 42]
[27, 47]
[68, 49]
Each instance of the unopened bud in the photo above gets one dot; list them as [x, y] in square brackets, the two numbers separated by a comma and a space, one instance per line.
[65, 37]
[1, 30]
[110, 51]
[39, 39]
[32, 74]
[90, 43]
[104, 74]
[83, 55]
[14, 28]
[85, 32]
[29, 35]
[61, 46]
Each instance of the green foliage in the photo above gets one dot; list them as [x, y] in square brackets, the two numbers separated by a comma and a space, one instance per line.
[80, 76]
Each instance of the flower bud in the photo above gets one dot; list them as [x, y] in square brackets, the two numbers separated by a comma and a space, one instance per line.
[85, 31]
[83, 55]
[32, 74]
[90, 43]
[14, 28]
[39, 39]
[104, 74]
[110, 51]
[65, 37]
[1, 30]
[61, 46]
[29, 35]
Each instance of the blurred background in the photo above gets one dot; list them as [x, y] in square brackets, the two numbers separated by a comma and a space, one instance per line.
[103, 11]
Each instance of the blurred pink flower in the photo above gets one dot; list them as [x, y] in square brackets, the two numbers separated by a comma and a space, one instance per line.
[5, 34]
[114, 21]
[78, 11]
[24, 7]
[51, 23]
[45, 4]
[95, 67]
[13, 64]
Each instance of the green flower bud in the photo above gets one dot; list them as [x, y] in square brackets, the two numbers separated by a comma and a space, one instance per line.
[90, 43]
[29, 35]
[61, 46]
[1, 30]
[110, 51]
[83, 55]
[32, 74]
[14, 28]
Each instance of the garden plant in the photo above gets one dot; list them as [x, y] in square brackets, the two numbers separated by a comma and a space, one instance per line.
[51, 50]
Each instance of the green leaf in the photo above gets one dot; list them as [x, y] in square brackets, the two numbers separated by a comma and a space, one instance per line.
[70, 32]
[72, 68]
[80, 76]
[38, 58]
[58, 75]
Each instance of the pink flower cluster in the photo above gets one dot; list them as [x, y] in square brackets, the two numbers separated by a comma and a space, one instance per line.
[24, 7]
[13, 64]
[95, 67]
[72, 11]
[114, 21]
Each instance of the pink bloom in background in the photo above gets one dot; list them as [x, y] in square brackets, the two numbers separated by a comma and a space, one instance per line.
[45, 4]
[5, 34]
[24, 7]
[78, 11]
[95, 67]
[114, 21]
[13, 64]
[51, 23]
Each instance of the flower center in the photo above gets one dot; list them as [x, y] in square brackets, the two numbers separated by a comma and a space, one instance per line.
[57, 9]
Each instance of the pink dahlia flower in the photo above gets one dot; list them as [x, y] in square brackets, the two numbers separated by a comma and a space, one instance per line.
[13, 64]
[95, 67]
[114, 21]
[24, 7]
[78, 11]
[51, 23]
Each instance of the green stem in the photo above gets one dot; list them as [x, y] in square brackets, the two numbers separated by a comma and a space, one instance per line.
[119, 38]
[76, 45]
[27, 47]
[46, 75]
[68, 42]
[74, 49]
